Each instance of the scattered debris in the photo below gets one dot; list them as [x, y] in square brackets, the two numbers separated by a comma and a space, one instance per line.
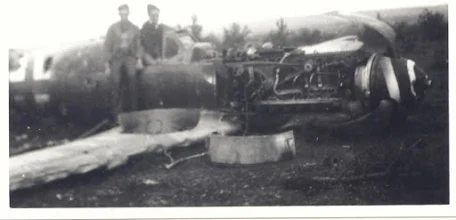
[361, 177]
[21, 137]
[94, 129]
[308, 165]
[391, 169]
[174, 162]
[150, 182]
[106, 192]
[26, 146]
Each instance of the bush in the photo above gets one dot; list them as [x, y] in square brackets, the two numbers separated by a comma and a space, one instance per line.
[407, 37]
[427, 38]
[235, 36]
[433, 26]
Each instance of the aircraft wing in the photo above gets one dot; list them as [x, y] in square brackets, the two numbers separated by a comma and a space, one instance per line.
[107, 150]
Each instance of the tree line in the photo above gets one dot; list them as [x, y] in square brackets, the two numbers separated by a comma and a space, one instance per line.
[236, 35]
[428, 34]
[428, 37]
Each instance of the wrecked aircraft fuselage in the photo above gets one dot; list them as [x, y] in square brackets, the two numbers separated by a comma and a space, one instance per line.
[334, 84]
[338, 85]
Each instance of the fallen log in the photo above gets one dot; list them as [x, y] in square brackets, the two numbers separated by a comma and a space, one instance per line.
[107, 150]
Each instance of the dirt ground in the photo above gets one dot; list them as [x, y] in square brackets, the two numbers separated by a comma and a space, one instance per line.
[145, 182]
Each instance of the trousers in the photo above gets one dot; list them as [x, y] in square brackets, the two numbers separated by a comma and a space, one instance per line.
[125, 83]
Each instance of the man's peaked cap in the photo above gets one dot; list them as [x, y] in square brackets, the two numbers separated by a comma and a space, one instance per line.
[123, 7]
[151, 7]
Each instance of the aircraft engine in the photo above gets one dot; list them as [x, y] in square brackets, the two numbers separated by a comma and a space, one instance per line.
[313, 81]
[351, 83]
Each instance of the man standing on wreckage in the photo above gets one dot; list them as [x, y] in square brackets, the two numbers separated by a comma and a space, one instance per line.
[123, 53]
[152, 36]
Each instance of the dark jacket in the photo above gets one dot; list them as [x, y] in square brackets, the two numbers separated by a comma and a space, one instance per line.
[116, 47]
[152, 39]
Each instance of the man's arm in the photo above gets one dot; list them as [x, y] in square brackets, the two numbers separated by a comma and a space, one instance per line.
[142, 38]
[138, 44]
[108, 44]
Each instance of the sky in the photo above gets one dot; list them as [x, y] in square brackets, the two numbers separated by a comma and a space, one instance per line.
[40, 23]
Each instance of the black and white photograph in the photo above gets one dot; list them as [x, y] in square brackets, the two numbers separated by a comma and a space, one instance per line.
[184, 104]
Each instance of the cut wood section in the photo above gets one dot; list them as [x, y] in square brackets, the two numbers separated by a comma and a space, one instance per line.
[107, 150]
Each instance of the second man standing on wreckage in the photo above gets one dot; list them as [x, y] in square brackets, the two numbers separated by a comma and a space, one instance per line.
[152, 37]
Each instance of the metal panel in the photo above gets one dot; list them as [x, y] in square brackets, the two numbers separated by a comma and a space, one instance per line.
[251, 149]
